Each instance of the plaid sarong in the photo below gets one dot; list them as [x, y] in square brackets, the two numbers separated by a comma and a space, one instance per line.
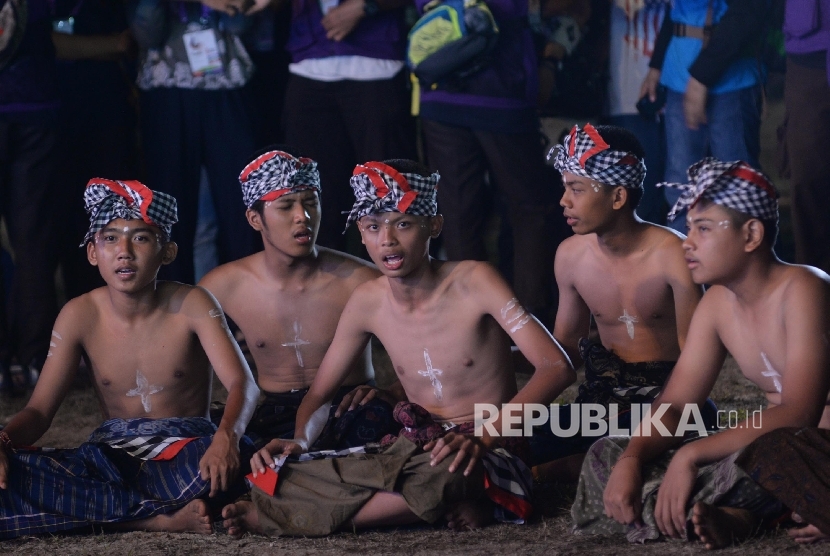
[585, 153]
[380, 188]
[105, 200]
[736, 185]
[101, 481]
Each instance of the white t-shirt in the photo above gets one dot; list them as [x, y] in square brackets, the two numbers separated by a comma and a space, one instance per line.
[339, 68]
[634, 28]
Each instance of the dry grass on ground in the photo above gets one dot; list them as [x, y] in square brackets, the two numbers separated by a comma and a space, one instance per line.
[548, 532]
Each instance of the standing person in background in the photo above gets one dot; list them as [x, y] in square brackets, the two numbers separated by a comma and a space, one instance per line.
[486, 124]
[347, 98]
[704, 56]
[28, 139]
[634, 28]
[97, 120]
[196, 111]
[807, 97]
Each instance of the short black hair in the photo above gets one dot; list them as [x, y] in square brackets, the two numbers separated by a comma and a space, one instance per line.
[259, 205]
[620, 139]
[405, 165]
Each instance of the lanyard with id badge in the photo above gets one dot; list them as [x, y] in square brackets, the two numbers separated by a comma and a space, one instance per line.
[200, 44]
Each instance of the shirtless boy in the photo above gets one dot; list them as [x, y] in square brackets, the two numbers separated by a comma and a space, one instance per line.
[287, 300]
[150, 347]
[629, 275]
[447, 327]
[773, 318]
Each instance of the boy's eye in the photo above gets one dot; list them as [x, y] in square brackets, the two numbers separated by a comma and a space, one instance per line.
[403, 224]
[109, 238]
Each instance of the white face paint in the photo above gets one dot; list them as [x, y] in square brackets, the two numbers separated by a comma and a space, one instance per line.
[145, 390]
[629, 321]
[432, 374]
[724, 224]
[595, 186]
[297, 343]
[514, 315]
[771, 372]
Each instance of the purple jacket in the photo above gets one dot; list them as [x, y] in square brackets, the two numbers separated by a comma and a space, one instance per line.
[501, 97]
[807, 27]
[381, 36]
[28, 84]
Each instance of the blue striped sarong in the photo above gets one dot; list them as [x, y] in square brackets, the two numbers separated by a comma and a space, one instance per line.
[106, 480]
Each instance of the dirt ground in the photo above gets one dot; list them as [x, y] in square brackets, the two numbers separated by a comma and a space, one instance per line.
[548, 532]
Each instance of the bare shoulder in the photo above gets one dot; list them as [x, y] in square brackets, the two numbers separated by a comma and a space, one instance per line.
[805, 281]
[347, 267]
[227, 277]
[715, 302]
[81, 312]
[472, 277]
[665, 238]
[189, 301]
[570, 254]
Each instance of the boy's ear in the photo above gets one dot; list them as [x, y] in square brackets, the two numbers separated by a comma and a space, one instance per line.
[254, 219]
[170, 250]
[753, 232]
[91, 255]
[436, 224]
[620, 197]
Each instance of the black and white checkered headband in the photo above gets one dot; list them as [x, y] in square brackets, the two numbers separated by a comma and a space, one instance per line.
[277, 173]
[736, 185]
[585, 153]
[380, 188]
[105, 200]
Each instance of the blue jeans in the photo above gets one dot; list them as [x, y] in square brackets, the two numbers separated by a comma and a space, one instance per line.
[732, 132]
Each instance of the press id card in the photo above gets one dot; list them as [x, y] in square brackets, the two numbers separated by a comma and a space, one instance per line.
[202, 52]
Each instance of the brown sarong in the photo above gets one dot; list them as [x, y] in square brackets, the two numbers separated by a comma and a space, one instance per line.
[793, 465]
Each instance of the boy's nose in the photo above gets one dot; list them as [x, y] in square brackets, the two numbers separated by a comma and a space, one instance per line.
[125, 248]
[387, 235]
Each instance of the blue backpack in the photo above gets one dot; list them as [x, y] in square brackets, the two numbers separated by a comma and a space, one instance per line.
[453, 39]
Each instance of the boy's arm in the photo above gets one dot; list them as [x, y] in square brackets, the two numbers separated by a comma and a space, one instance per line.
[221, 461]
[690, 382]
[686, 293]
[65, 350]
[573, 317]
[552, 369]
[804, 386]
[348, 344]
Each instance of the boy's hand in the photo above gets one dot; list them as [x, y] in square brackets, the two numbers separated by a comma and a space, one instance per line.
[674, 493]
[362, 395]
[623, 493]
[220, 464]
[265, 457]
[342, 19]
[465, 445]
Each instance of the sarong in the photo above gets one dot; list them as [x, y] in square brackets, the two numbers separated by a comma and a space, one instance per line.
[721, 483]
[608, 380]
[127, 470]
[276, 417]
[793, 465]
[318, 497]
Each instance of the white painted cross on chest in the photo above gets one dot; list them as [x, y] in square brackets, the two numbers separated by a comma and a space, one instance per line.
[297, 343]
[145, 390]
[432, 374]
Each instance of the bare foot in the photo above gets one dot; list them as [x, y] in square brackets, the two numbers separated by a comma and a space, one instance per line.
[240, 517]
[193, 518]
[808, 534]
[719, 527]
[470, 515]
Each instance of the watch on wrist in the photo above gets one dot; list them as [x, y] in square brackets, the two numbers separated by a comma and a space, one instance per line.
[371, 7]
